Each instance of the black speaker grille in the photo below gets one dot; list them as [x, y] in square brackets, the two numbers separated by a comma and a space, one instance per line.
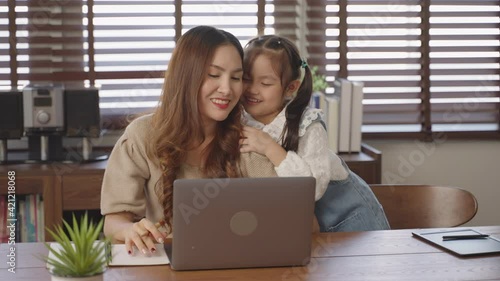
[11, 115]
[82, 113]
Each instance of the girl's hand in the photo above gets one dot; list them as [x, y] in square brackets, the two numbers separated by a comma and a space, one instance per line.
[143, 235]
[255, 140]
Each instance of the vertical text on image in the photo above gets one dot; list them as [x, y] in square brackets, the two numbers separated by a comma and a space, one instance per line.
[11, 221]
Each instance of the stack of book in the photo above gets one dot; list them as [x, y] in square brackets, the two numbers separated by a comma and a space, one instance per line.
[344, 115]
[28, 215]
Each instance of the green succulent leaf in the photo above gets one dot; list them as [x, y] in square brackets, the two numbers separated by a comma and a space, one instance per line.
[319, 80]
[81, 253]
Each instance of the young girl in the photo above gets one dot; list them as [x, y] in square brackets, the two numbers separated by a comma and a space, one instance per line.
[281, 126]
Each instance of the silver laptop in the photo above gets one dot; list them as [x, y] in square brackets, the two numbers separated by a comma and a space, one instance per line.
[242, 222]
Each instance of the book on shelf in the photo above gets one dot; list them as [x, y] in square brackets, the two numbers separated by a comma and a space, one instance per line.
[315, 100]
[31, 218]
[29, 215]
[40, 225]
[342, 90]
[21, 221]
[330, 106]
[356, 116]
[344, 115]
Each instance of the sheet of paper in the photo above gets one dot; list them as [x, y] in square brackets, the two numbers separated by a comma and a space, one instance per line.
[120, 256]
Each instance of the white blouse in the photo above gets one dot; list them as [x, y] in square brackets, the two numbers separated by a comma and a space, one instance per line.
[313, 157]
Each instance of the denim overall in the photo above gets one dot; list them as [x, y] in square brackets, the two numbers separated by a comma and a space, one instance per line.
[349, 205]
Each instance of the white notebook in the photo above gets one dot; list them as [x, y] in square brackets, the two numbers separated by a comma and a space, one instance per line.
[120, 256]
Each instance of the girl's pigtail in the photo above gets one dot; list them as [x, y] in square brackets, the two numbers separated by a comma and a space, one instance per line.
[295, 110]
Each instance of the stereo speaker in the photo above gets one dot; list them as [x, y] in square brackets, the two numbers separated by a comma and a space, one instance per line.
[11, 115]
[82, 113]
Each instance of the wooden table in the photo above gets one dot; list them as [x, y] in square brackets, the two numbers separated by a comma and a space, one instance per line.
[373, 255]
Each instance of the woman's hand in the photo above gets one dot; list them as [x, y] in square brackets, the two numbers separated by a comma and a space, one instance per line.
[255, 140]
[142, 234]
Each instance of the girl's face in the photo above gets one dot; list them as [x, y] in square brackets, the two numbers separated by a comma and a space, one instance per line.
[222, 87]
[263, 95]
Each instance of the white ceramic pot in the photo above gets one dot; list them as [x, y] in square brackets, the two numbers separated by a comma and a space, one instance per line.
[98, 277]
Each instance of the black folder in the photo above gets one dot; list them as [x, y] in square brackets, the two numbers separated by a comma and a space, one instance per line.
[465, 247]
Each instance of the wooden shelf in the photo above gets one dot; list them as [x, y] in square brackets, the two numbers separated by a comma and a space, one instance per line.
[34, 182]
[57, 183]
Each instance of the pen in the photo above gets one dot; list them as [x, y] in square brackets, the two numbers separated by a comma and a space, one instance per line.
[464, 237]
[109, 252]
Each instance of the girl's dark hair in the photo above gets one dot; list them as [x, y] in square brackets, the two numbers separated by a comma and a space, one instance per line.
[287, 63]
[176, 123]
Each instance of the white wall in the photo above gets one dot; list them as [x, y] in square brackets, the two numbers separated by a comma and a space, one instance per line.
[471, 165]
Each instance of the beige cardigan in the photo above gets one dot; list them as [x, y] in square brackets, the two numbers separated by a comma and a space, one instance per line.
[130, 176]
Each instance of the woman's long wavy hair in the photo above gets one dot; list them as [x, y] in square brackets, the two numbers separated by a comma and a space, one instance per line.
[287, 63]
[176, 123]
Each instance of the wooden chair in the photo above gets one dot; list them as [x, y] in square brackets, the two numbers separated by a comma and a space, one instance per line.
[425, 206]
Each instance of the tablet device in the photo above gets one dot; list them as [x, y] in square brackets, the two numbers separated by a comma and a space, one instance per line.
[461, 247]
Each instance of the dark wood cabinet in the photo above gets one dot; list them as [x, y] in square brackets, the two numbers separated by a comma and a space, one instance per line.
[63, 186]
[367, 164]
[36, 181]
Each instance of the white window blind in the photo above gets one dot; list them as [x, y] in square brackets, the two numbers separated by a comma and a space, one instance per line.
[304, 23]
[4, 46]
[464, 65]
[45, 43]
[380, 45]
[238, 17]
[428, 66]
[133, 42]
[121, 46]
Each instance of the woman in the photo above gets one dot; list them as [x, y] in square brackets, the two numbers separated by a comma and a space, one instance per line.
[193, 133]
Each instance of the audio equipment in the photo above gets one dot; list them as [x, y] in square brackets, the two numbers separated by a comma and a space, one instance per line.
[11, 115]
[43, 109]
[81, 110]
[45, 114]
[11, 119]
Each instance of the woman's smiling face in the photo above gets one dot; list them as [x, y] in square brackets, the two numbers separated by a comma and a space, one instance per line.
[222, 86]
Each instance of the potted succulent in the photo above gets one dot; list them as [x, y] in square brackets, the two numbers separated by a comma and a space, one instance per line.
[79, 256]
[319, 80]
[319, 86]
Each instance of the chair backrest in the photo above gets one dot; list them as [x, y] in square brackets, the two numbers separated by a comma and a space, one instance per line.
[425, 206]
